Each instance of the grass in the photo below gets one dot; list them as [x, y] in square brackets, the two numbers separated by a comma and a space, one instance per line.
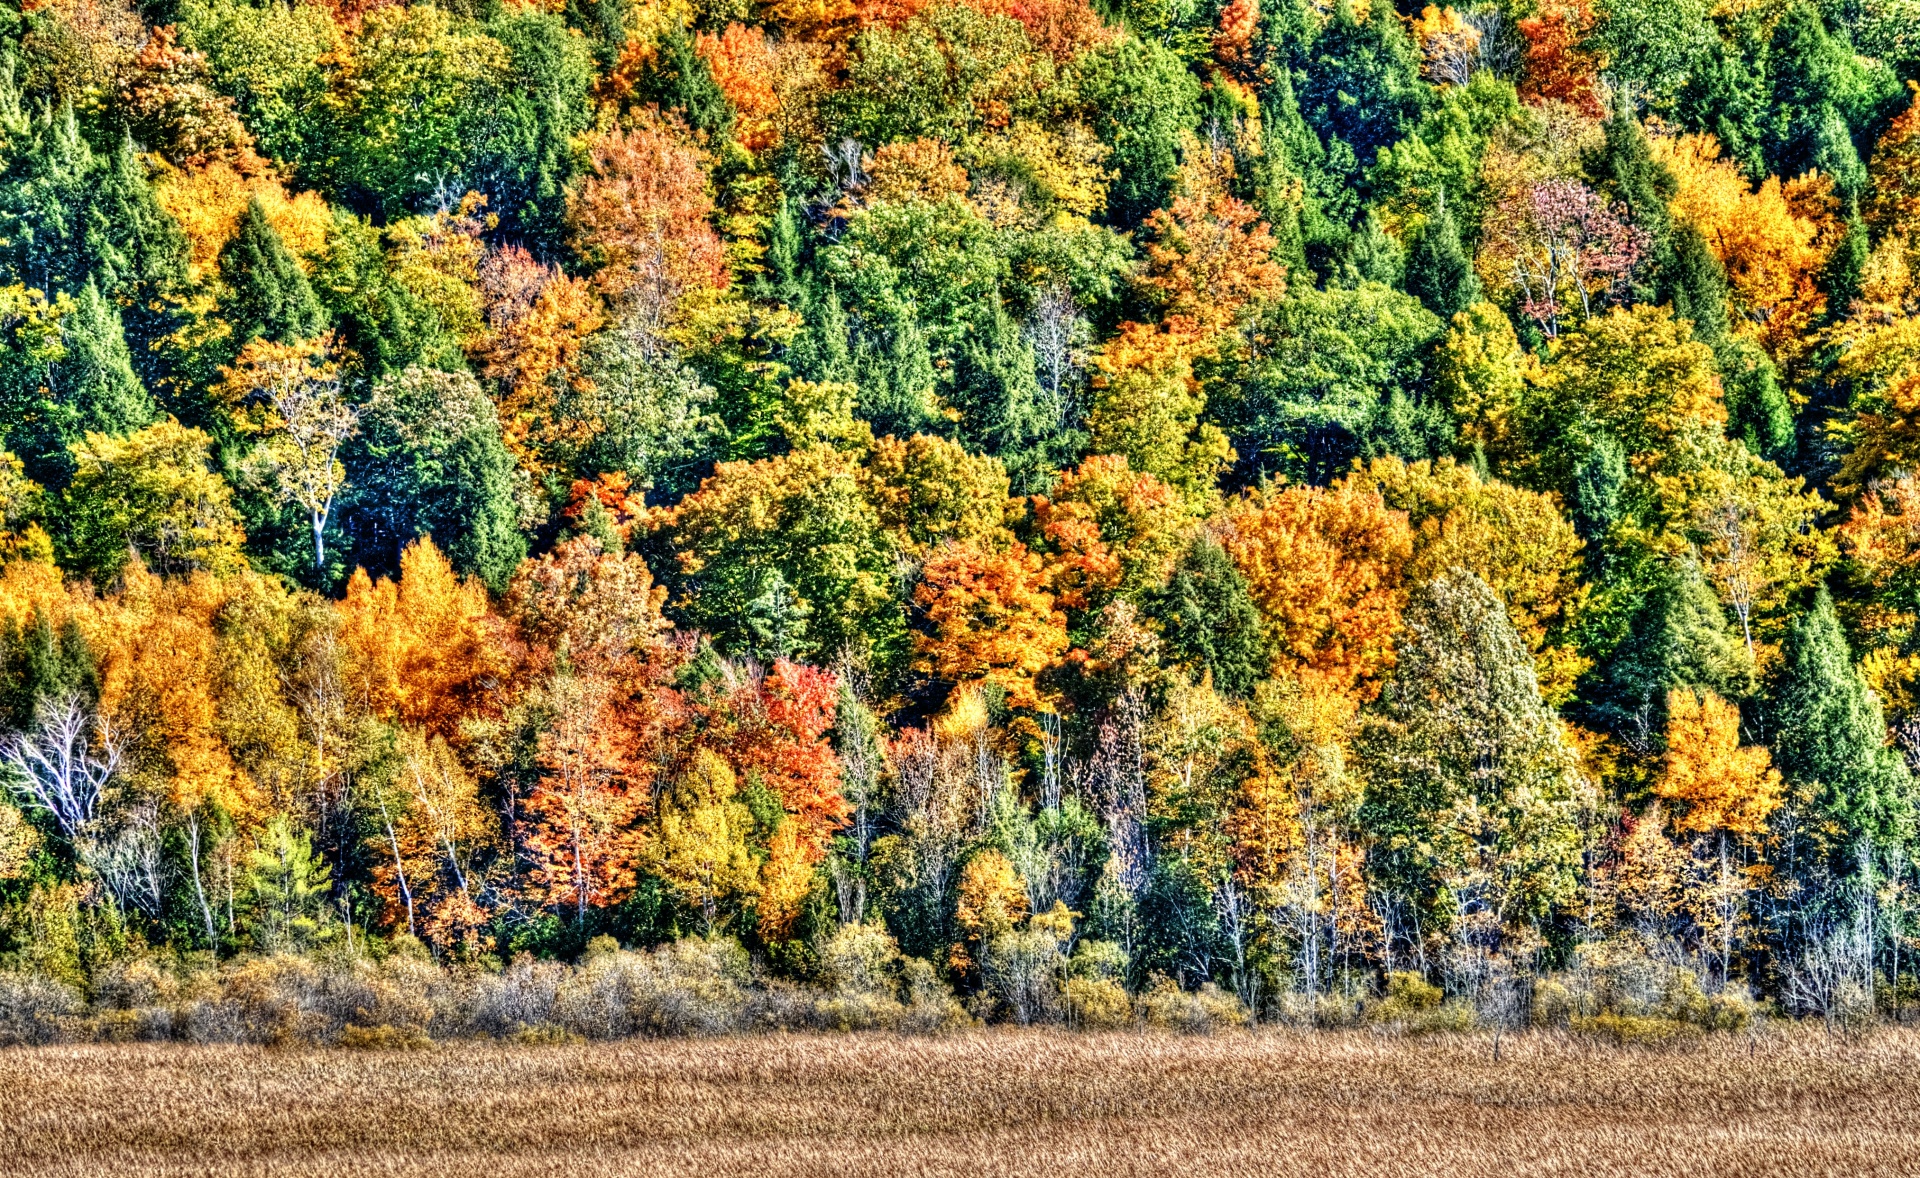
[989, 1103]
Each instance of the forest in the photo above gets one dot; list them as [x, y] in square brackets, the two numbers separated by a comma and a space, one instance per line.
[1007, 510]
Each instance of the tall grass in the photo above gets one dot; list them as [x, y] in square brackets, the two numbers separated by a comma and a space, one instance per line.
[1000, 1102]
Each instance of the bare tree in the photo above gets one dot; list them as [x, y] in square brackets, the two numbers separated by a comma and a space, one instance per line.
[61, 765]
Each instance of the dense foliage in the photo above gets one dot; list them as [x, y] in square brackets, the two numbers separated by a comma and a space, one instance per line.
[1147, 495]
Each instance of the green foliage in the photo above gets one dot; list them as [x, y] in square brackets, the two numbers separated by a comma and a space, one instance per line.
[1831, 738]
[1208, 621]
[1141, 102]
[430, 461]
[1322, 390]
[267, 294]
[1475, 789]
[286, 887]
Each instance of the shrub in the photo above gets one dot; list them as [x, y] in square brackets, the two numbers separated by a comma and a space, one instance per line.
[35, 1009]
[1166, 1006]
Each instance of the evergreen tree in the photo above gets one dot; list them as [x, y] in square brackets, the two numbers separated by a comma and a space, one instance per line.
[1758, 412]
[1695, 282]
[1830, 737]
[1209, 623]
[268, 295]
[1362, 87]
[1679, 637]
[1439, 273]
[1140, 100]
[430, 461]
[677, 79]
[1623, 169]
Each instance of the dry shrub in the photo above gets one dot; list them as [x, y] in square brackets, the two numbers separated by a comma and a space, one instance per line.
[1098, 1004]
[1618, 980]
[689, 987]
[36, 1010]
[1165, 1006]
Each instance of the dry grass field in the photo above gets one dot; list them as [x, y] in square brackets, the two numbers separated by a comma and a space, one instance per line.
[979, 1104]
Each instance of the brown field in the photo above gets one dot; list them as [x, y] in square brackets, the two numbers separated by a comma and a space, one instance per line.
[978, 1104]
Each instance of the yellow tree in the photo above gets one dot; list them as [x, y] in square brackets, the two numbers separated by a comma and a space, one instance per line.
[290, 396]
[699, 841]
[1720, 791]
[1517, 541]
[1147, 407]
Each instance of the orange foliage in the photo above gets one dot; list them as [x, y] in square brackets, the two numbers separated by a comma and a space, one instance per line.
[774, 725]
[1233, 40]
[918, 169]
[641, 214]
[1107, 529]
[991, 618]
[745, 67]
[538, 321]
[1063, 28]
[1324, 567]
[1773, 240]
[423, 651]
[1557, 67]
[1894, 202]
[580, 824]
[1210, 256]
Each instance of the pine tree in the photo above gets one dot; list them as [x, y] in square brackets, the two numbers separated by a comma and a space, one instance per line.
[1679, 638]
[1439, 272]
[1830, 736]
[1208, 620]
[94, 387]
[268, 295]
[1623, 169]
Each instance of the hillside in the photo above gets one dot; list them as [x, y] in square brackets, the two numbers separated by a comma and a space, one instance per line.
[1002, 510]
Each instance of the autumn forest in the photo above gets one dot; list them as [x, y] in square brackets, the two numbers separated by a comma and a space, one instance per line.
[588, 518]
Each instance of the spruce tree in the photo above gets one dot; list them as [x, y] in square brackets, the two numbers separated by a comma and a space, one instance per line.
[1209, 623]
[1831, 739]
[1679, 637]
[95, 381]
[1695, 282]
[1439, 272]
[268, 295]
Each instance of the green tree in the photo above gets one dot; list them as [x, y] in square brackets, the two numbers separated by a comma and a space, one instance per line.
[1141, 102]
[429, 460]
[1473, 791]
[153, 494]
[1208, 622]
[286, 887]
[1439, 273]
[1830, 738]
[267, 294]
[1362, 87]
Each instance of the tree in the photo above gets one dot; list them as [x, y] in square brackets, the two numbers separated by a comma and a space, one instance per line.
[640, 215]
[786, 557]
[1147, 408]
[699, 846]
[580, 823]
[1208, 621]
[1714, 783]
[430, 460]
[1324, 567]
[990, 619]
[1439, 272]
[1517, 541]
[293, 391]
[267, 293]
[1474, 792]
[151, 495]
[285, 887]
[1561, 252]
[1830, 738]
[1142, 101]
